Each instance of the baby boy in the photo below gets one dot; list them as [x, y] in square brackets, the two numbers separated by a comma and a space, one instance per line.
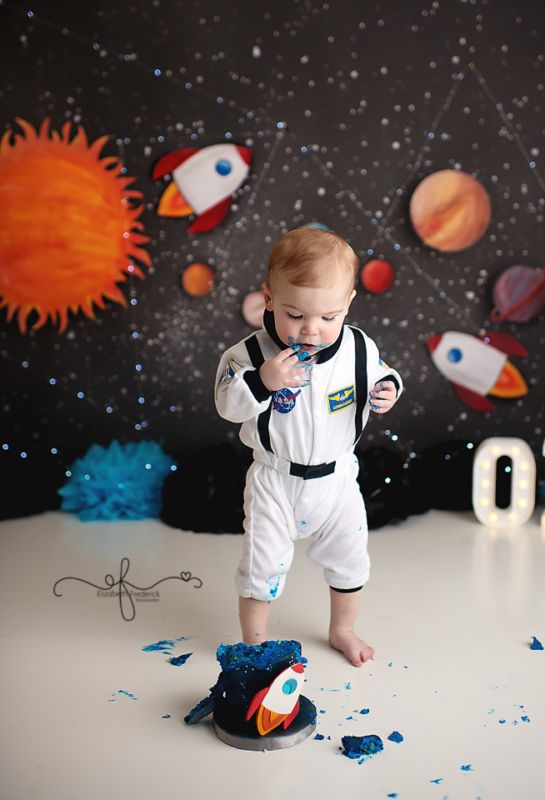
[303, 388]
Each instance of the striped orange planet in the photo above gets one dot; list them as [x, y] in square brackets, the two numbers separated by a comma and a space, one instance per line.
[450, 210]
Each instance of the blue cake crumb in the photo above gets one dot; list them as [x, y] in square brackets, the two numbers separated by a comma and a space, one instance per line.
[163, 645]
[466, 768]
[536, 644]
[177, 661]
[364, 711]
[395, 736]
[357, 746]
[122, 691]
[319, 736]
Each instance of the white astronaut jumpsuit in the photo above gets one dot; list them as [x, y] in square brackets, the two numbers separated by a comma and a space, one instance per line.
[303, 482]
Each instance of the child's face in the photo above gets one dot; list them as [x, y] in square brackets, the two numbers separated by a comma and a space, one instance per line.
[311, 316]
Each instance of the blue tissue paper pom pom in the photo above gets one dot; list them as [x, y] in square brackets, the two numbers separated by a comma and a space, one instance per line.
[121, 481]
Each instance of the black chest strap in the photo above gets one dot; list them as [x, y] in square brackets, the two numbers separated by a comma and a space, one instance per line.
[361, 380]
[257, 358]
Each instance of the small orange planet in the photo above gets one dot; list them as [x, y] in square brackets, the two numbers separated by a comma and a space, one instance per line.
[377, 276]
[450, 210]
[198, 279]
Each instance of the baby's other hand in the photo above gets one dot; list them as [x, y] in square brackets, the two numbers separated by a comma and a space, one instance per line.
[382, 397]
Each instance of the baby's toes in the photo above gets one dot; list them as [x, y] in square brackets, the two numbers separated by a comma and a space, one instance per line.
[366, 653]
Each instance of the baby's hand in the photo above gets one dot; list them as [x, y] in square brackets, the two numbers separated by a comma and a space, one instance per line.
[382, 397]
[283, 370]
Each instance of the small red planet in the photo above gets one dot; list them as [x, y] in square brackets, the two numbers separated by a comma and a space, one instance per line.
[377, 276]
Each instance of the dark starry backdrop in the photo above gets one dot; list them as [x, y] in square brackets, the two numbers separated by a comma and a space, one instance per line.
[347, 106]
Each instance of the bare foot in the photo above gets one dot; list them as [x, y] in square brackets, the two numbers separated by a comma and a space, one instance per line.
[354, 649]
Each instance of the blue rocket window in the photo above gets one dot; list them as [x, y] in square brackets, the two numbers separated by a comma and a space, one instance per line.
[223, 167]
[454, 355]
[289, 686]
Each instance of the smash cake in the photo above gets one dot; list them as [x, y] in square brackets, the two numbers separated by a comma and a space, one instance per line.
[256, 702]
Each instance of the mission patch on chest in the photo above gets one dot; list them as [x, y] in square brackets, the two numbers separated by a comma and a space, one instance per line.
[341, 398]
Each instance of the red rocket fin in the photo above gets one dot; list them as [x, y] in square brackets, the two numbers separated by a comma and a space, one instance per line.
[475, 401]
[211, 218]
[170, 161]
[505, 342]
[289, 719]
[256, 701]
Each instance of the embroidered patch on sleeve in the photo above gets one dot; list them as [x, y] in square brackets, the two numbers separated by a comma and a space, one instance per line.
[341, 399]
[229, 373]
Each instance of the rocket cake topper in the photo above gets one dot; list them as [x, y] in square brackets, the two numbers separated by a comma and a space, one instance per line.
[203, 181]
[278, 704]
[479, 366]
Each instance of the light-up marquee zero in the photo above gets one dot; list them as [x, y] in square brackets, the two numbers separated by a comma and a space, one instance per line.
[523, 482]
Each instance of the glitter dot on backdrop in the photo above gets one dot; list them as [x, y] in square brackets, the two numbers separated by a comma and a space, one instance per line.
[330, 141]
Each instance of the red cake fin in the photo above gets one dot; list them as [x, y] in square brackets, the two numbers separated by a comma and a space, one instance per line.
[476, 401]
[211, 218]
[170, 161]
[289, 719]
[505, 342]
[256, 701]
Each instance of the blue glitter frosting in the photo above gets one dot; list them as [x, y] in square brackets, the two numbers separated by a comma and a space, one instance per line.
[259, 656]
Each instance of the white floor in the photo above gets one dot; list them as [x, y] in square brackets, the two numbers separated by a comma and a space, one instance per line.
[451, 608]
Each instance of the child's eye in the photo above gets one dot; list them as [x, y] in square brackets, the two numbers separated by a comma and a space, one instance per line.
[328, 319]
[294, 316]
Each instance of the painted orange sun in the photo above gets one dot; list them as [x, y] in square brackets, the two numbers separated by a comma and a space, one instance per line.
[69, 227]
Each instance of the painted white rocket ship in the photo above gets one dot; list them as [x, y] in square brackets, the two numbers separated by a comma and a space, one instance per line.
[478, 367]
[203, 182]
[278, 704]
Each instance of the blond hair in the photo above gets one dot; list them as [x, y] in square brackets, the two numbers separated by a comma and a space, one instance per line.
[309, 257]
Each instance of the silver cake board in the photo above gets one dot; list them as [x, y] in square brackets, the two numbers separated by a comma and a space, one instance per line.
[300, 729]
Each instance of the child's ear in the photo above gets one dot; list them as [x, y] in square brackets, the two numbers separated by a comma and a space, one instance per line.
[266, 292]
[352, 296]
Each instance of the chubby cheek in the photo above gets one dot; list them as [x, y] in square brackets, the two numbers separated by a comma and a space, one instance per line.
[330, 334]
[287, 330]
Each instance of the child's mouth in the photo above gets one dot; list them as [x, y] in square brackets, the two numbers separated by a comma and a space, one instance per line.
[305, 347]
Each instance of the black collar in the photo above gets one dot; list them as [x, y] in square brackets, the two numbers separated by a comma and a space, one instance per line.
[323, 355]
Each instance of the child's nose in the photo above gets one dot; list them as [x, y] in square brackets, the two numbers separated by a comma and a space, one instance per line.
[309, 328]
